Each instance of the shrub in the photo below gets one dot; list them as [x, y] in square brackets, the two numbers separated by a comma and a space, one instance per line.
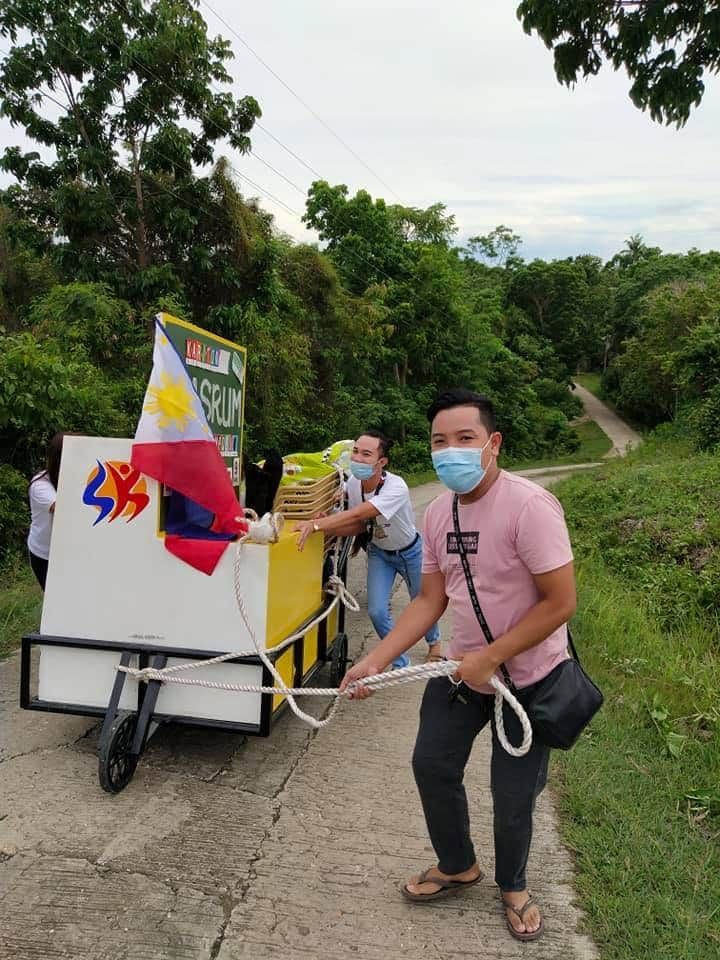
[14, 512]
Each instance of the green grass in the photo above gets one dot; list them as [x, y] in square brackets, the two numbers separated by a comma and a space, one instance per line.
[594, 444]
[424, 476]
[591, 382]
[20, 604]
[639, 795]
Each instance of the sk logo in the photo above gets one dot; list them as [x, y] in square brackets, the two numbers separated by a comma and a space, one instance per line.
[115, 489]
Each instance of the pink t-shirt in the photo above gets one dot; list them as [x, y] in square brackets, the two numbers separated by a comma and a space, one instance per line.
[516, 530]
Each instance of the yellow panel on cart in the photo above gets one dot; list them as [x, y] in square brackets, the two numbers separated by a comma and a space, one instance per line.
[294, 584]
[310, 650]
[285, 665]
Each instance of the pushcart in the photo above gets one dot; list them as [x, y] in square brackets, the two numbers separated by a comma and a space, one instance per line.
[116, 598]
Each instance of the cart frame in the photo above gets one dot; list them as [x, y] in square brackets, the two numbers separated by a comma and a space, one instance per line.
[125, 733]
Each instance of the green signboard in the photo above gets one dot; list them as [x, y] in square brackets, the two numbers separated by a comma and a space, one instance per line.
[217, 369]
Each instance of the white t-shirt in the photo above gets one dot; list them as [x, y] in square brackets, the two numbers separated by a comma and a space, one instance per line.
[42, 496]
[395, 524]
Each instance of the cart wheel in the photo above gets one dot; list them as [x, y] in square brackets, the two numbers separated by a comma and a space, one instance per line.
[339, 659]
[116, 765]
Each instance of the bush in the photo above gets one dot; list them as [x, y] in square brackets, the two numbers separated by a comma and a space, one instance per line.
[14, 512]
[703, 419]
[550, 393]
[413, 456]
[88, 315]
[42, 391]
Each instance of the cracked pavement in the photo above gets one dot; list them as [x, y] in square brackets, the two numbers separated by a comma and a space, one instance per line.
[223, 848]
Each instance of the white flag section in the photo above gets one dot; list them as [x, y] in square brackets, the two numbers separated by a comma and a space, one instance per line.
[171, 410]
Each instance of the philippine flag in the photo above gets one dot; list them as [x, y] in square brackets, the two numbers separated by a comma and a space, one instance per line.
[174, 444]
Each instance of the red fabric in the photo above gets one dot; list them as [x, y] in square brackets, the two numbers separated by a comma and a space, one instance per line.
[203, 555]
[196, 470]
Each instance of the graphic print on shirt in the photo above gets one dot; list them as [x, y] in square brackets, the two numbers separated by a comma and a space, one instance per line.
[470, 540]
[379, 528]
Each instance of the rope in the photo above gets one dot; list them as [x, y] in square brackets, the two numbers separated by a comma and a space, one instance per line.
[379, 681]
[336, 587]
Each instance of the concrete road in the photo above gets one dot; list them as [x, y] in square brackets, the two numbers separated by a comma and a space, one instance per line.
[622, 436]
[220, 849]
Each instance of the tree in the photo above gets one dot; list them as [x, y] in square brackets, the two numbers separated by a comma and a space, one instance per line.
[365, 237]
[554, 294]
[675, 356]
[25, 270]
[634, 252]
[666, 46]
[500, 245]
[138, 113]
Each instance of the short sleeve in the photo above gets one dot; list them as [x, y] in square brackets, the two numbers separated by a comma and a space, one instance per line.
[43, 493]
[542, 539]
[391, 497]
[429, 558]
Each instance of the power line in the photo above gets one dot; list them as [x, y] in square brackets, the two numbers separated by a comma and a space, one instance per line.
[223, 130]
[299, 99]
[281, 175]
[288, 150]
[244, 176]
[169, 191]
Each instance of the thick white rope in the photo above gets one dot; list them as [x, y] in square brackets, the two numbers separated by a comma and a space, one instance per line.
[335, 585]
[379, 681]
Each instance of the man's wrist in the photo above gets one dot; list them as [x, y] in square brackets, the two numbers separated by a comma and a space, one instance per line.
[495, 654]
[377, 663]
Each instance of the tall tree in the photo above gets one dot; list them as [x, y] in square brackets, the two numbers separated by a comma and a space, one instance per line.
[666, 46]
[137, 114]
[554, 295]
[499, 246]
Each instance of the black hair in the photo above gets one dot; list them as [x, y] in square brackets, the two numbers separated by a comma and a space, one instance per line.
[384, 442]
[52, 466]
[461, 397]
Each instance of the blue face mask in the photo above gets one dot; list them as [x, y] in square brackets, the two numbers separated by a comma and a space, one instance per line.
[363, 471]
[459, 468]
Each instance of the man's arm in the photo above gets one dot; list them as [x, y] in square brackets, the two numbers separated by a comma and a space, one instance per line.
[556, 606]
[343, 523]
[414, 622]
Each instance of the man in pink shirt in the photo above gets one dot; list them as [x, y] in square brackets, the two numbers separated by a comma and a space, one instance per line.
[521, 565]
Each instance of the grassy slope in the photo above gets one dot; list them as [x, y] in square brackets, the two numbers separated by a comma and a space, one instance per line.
[640, 794]
[20, 603]
[594, 444]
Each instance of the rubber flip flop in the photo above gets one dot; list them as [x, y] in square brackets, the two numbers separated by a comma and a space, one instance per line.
[447, 887]
[525, 937]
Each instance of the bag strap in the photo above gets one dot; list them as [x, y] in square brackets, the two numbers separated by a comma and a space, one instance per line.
[484, 626]
[476, 603]
[572, 645]
[377, 490]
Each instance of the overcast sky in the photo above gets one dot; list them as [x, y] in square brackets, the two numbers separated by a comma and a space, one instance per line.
[451, 101]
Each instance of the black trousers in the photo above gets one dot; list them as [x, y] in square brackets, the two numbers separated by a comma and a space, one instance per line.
[39, 568]
[447, 732]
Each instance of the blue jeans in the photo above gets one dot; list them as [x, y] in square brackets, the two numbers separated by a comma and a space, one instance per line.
[383, 567]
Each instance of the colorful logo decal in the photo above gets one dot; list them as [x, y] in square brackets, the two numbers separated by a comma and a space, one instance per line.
[115, 489]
